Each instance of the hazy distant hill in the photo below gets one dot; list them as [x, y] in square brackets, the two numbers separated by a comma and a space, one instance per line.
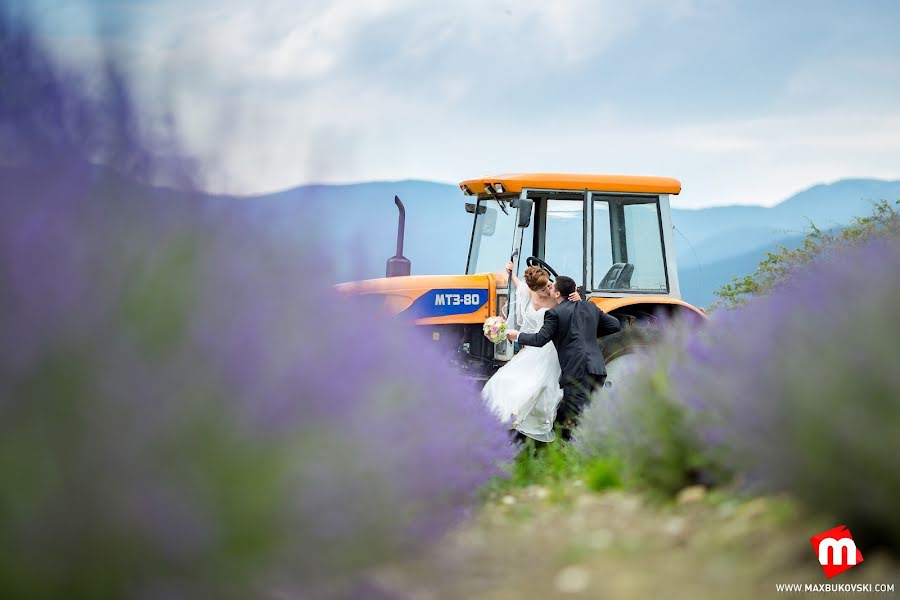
[699, 282]
[360, 223]
[826, 205]
[727, 240]
[730, 240]
[362, 219]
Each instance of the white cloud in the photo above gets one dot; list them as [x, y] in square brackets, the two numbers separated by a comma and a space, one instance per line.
[299, 91]
[281, 92]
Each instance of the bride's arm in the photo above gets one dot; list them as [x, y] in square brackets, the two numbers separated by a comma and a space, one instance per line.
[509, 269]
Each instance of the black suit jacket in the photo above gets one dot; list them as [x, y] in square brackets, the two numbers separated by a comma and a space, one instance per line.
[574, 327]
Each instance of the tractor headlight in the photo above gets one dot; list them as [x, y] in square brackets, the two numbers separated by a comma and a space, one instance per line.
[498, 187]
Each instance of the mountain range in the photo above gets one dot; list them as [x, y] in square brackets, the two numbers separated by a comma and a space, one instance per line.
[712, 244]
[358, 222]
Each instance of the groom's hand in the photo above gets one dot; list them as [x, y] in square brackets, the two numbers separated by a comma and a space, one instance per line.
[512, 335]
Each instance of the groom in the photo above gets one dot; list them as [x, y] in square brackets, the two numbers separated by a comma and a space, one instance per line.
[573, 327]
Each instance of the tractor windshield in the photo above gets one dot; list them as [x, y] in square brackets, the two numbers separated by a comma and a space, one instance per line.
[492, 236]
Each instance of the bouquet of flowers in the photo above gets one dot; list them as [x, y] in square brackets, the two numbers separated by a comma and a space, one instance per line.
[495, 329]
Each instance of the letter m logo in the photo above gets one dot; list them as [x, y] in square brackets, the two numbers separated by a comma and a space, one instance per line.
[836, 550]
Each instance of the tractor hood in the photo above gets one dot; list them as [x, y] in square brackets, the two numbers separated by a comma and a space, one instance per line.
[432, 299]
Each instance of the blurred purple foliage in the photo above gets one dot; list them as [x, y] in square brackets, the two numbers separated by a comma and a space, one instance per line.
[797, 391]
[187, 409]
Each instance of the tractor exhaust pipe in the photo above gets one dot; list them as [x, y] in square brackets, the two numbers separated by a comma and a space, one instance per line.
[398, 265]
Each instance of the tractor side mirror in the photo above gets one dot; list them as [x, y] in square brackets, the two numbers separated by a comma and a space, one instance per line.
[525, 207]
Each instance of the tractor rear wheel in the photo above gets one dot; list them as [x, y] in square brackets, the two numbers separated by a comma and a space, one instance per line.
[621, 351]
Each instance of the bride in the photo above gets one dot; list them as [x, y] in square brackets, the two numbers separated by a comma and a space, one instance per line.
[525, 393]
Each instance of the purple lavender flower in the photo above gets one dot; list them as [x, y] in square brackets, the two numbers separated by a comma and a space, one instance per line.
[187, 409]
[797, 391]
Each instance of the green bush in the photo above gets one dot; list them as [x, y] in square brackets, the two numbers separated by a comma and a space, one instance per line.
[603, 473]
[556, 466]
[647, 431]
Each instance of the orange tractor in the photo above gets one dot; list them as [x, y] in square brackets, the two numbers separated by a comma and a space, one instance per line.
[611, 233]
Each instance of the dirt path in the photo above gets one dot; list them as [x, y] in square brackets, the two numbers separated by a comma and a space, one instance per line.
[541, 544]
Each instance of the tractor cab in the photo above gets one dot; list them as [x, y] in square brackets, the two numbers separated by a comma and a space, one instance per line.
[611, 234]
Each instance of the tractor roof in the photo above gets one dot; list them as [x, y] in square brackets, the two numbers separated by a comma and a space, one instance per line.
[514, 182]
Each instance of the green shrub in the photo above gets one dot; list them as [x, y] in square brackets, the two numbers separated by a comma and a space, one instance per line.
[647, 432]
[557, 466]
[603, 473]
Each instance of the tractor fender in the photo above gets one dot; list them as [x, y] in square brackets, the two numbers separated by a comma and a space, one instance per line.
[647, 305]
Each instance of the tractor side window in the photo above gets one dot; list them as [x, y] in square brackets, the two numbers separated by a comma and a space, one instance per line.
[628, 250]
[563, 246]
[644, 247]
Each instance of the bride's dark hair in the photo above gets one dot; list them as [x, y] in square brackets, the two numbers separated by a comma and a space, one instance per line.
[536, 278]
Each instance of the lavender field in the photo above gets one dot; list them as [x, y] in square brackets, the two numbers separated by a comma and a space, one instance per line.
[189, 410]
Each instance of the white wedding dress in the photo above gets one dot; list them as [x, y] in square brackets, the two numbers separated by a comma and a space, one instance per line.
[525, 392]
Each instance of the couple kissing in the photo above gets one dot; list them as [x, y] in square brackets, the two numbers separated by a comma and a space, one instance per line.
[547, 384]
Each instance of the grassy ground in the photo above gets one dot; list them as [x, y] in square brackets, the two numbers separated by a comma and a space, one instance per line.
[546, 533]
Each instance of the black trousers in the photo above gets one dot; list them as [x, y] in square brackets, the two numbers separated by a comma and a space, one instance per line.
[576, 396]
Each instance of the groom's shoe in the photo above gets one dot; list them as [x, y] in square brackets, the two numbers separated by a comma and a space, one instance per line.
[517, 438]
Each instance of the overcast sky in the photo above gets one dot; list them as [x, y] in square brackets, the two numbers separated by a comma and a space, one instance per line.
[745, 102]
